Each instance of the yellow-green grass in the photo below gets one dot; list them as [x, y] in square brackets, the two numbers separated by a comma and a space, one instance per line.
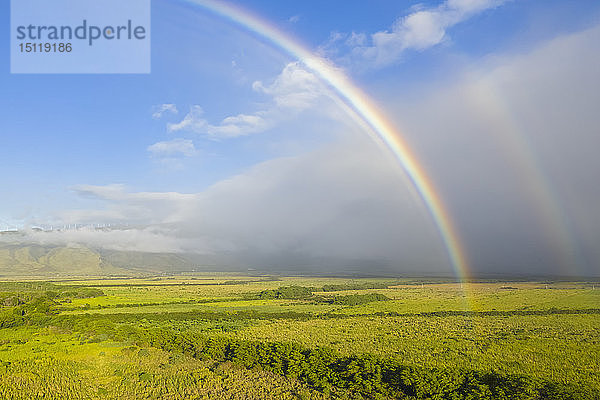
[557, 347]
[405, 299]
[261, 306]
[563, 348]
[47, 364]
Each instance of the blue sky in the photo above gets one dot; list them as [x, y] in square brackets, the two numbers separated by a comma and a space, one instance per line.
[65, 132]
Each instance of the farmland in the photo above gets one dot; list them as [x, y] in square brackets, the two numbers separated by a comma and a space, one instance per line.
[228, 336]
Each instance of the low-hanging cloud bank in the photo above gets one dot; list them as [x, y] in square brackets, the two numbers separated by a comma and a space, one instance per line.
[343, 203]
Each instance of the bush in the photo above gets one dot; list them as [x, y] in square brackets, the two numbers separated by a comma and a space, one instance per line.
[286, 292]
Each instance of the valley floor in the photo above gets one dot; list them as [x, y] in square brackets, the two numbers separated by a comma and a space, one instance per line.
[247, 337]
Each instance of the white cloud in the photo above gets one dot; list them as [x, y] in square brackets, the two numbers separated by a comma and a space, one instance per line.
[291, 92]
[232, 126]
[294, 18]
[294, 88]
[240, 125]
[148, 239]
[192, 122]
[160, 110]
[420, 30]
[171, 148]
[356, 39]
[121, 206]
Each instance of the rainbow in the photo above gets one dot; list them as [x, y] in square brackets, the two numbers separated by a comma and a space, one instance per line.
[365, 109]
[535, 182]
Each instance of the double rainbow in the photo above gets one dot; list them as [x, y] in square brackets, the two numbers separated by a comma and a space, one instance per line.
[363, 108]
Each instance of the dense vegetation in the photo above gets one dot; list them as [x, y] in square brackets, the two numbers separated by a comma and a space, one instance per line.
[353, 299]
[205, 351]
[355, 286]
[287, 292]
[306, 293]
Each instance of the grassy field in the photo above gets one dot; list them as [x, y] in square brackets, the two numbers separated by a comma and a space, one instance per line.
[298, 337]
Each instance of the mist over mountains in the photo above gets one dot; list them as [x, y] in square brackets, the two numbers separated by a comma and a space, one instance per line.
[43, 261]
[35, 261]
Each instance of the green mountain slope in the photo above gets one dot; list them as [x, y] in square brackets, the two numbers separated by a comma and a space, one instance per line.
[53, 261]
[20, 259]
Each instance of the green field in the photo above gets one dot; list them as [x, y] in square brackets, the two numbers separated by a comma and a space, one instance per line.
[243, 337]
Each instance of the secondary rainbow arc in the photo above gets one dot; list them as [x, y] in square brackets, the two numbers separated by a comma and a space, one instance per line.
[360, 103]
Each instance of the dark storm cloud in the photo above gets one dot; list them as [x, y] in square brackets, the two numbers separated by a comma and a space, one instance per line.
[513, 149]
